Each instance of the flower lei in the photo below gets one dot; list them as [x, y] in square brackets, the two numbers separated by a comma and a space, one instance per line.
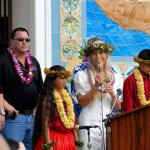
[25, 78]
[67, 117]
[140, 87]
[107, 79]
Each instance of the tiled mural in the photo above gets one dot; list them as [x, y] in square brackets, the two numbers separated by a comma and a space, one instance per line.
[126, 42]
[70, 29]
[76, 19]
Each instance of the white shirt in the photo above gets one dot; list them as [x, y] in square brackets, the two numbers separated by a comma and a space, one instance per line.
[97, 109]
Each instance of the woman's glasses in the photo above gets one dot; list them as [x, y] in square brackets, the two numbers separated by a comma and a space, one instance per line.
[22, 40]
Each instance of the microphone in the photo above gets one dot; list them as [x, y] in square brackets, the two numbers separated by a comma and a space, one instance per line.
[100, 68]
[88, 127]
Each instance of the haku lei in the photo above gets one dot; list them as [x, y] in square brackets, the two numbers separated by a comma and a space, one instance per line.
[140, 87]
[25, 78]
[67, 117]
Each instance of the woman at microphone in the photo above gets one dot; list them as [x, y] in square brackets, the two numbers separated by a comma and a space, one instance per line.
[95, 84]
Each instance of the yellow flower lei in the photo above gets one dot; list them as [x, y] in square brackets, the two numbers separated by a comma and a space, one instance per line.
[140, 87]
[68, 119]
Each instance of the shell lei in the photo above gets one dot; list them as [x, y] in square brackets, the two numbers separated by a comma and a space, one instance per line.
[67, 117]
[140, 87]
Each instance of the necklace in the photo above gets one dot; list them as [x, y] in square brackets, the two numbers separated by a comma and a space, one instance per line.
[24, 78]
[140, 87]
[107, 79]
[67, 117]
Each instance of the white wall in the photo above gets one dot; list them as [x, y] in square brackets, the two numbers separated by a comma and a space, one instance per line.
[23, 16]
[35, 16]
[43, 31]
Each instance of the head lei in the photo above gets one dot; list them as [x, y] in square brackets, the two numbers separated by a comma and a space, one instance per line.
[56, 73]
[95, 44]
[143, 57]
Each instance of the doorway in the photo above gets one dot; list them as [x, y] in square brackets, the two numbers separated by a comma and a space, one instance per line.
[5, 23]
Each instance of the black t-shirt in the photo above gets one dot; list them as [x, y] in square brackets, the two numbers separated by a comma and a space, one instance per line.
[19, 95]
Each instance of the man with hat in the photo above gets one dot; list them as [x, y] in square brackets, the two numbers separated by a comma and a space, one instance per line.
[136, 89]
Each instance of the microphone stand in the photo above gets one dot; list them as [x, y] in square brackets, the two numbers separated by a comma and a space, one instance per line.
[101, 97]
[101, 91]
[107, 126]
[108, 131]
[89, 144]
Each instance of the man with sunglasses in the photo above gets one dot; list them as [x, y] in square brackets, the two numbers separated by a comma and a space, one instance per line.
[20, 84]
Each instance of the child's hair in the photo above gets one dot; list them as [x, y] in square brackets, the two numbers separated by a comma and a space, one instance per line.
[46, 96]
[47, 92]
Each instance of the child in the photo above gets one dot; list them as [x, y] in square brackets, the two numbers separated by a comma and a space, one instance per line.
[57, 113]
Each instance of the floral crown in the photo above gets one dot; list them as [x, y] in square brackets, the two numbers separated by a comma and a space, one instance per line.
[140, 60]
[94, 44]
[53, 73]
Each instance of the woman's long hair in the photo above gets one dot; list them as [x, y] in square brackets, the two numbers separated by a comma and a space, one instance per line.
[46, 104]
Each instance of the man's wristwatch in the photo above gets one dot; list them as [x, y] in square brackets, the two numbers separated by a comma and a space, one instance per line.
[2, 112]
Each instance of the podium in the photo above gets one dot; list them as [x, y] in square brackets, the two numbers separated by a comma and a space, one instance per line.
[129, 130]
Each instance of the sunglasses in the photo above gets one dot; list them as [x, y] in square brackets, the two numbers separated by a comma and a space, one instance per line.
[22, 40]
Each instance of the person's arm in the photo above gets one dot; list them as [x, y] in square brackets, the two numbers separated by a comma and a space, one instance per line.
[3, 144]
[46, 129]
[109, 89]
[127, 95]
[87, 98]
[1, 101]
[45, 124]
[78, 143]
[2, 115]
[40, 80]
[9, 108]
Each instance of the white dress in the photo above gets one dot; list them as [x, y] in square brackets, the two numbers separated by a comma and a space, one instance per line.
[95, 111]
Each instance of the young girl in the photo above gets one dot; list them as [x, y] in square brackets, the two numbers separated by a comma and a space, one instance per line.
[57, 113]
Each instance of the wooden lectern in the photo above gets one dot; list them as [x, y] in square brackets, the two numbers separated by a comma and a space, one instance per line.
[129, 130]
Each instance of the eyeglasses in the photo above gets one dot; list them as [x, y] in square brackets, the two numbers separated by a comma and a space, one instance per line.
[22, 40]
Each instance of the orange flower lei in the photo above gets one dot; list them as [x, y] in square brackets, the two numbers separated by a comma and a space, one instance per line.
[140, 87]
[67, 117]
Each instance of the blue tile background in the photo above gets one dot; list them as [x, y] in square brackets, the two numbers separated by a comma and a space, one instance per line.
[126, 42]
[96, 23]
[55, 17]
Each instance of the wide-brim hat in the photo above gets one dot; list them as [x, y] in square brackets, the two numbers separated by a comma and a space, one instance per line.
[95, 44]
[143, 57]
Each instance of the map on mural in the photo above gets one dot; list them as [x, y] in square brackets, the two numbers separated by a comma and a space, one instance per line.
[126, 42]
